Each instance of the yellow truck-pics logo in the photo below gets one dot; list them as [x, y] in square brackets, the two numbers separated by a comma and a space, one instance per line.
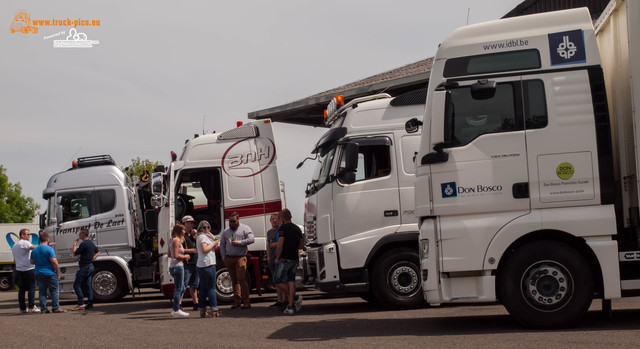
[22, 23]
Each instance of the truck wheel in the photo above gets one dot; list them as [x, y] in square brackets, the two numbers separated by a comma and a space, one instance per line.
[6, 283]
[396, 279]
[546, 284]
[224, 286]
[108, 283]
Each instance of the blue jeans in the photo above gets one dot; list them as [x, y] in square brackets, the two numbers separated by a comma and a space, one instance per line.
[49, 282]
[83, 279]
[207, 277]
[178, 279]
[26, 281]
[191, 276]
[285, 271]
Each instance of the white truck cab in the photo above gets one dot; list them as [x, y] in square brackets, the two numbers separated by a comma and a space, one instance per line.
[360, 226]
[516, 190]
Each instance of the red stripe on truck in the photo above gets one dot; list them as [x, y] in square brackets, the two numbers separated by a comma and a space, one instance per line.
[259, 209]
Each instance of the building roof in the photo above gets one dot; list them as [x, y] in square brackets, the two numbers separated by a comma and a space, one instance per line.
[310, 110]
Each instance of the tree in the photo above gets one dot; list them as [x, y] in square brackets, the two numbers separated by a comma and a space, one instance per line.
[138, 166]
[15, 207]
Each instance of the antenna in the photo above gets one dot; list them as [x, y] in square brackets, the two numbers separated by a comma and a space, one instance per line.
[203, 118]
[72, 156]
[468, 11]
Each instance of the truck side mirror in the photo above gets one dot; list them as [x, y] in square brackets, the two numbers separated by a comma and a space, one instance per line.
[483, 89]
[156, 183]
[347, 173]
[412, 125]
[43, 220]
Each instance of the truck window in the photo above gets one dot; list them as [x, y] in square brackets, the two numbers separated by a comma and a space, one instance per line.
[471, 118]
[106, 200]
[76, 205]
[374, 158]
[535, 104]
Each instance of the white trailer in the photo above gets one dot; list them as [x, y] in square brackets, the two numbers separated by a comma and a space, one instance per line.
[9, 235]
[360, 225]
[131, 222]
[527, 171]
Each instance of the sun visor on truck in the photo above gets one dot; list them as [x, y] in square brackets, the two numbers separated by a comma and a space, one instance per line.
[245, 131]
[328, 139]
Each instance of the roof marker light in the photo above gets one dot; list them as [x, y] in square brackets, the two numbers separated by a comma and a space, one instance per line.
[238, 123]
[174, 156]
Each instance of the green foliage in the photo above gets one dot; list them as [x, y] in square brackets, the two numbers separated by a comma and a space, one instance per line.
[138, 166]
[15, 207]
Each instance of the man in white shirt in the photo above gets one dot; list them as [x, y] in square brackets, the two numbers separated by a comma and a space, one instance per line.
[25, 273]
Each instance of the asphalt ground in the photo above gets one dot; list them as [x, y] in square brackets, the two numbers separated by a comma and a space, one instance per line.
[325, 321]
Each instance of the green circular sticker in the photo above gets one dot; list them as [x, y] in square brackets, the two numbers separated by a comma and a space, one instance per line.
[565, 171]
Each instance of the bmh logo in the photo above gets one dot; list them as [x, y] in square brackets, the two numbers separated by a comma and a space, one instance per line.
[449, 190]
[567, 47]
[239, 155]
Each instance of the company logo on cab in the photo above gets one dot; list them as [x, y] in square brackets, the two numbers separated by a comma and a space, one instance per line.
[235, 157]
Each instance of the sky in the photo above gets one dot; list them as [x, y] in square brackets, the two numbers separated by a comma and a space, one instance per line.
[163, 71]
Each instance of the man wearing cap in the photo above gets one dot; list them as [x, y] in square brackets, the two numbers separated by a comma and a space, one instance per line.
[190, 275]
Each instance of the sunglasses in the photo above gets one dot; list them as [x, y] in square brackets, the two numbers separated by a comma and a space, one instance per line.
[232, 221]
[206, 227]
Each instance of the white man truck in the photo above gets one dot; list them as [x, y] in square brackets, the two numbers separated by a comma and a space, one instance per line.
[9, 235]
[527, 171]
[360, 225]
[131, 222]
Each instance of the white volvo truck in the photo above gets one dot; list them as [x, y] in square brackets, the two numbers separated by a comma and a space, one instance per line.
[527, 171]
[131, 222]
[360, 225]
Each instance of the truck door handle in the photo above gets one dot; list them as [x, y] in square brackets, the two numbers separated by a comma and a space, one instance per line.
[391, 213]
[435, 157]
[520, 190]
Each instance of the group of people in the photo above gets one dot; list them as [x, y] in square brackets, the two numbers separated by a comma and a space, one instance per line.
[193, 262]
[38, 264]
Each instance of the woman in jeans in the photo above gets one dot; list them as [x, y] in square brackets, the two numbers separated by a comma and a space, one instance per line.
[206, 267]
[176, 268]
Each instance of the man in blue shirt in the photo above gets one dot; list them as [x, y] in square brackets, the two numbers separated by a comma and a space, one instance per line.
[88, 253]
[44, 257]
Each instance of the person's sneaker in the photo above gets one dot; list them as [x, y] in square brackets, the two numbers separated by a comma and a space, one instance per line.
[204, 313]
[246, 306]
[59, 311]
[79, 307]
[46, 311]
[88, 307]
[298, 303]
[290, 310]
[179, 313]
[214, 313]
[34, 309]
[276, 304]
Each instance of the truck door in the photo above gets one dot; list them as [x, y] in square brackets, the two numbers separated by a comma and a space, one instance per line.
[111, 210]
[484, 183]
[370, 207]
[73, 211]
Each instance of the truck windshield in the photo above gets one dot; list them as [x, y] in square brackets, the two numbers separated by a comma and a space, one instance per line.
[321, 172]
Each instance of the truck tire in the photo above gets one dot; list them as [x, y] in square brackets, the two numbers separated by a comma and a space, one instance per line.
[6, 283]
[546, 284]
[396, 279]
[109, 283]
[224, 286]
